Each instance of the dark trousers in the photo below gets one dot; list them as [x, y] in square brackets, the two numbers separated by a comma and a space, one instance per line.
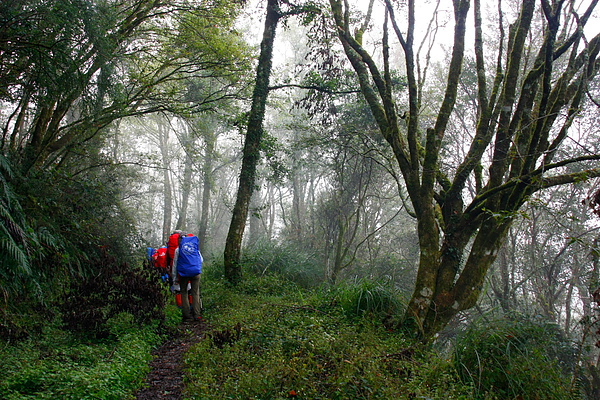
[196, 299]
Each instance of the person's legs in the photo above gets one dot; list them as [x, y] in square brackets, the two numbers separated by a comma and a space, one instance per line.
[185, 302]
[196, 299]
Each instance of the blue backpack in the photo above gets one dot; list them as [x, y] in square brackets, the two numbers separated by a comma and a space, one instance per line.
[189, 262]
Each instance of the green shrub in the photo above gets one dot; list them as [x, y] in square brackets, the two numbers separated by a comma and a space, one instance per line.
[266, 285]
[113, 289]
[53, 223]
[212, 268]
[515, 357]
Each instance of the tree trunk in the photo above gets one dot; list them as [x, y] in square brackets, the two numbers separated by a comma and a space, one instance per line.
[163, 137]
[186, 188]
[339, 251]
[502, 288]
[568, 300]
[251, 151]
[272, 211]
[298, 217]
[207, 184]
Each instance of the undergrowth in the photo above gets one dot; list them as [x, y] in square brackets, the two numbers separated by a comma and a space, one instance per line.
[93, 342]
[62, 365]
[271, 339]
[516, 357]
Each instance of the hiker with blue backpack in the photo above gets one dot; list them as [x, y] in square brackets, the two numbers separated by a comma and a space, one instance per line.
[187, 268]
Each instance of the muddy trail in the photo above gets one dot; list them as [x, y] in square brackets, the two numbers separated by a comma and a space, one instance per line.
[165, 379]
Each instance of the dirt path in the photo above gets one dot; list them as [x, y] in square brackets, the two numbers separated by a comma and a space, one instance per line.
[165, 380]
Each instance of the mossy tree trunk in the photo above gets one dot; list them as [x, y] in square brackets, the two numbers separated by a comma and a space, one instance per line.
[517, 122]
[251, 151]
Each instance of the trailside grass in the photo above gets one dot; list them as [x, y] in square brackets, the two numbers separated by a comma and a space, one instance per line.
[57, 364]
[270, 339]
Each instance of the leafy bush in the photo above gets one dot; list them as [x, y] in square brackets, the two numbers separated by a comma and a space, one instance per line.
[52, 223]
[266, 285]
[113, 289]
[515, 357]
[25, 250]
[212, 268]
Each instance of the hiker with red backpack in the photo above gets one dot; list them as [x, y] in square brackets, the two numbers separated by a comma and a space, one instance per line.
[160, 263]
[172, 245]
[187, 268]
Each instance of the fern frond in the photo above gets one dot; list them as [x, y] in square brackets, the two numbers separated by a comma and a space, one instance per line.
[4, 210]
[48, 239]
[10, 251]
[5, 167]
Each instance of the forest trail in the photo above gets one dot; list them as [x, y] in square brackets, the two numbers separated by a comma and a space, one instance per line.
[165, 379]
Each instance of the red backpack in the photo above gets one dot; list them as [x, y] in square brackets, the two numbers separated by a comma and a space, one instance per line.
[172, 244]
[160, 258]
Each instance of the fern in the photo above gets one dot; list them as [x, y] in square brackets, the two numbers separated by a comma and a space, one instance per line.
[47, 238]
[12, 254]
[17, 239]
[5, 167]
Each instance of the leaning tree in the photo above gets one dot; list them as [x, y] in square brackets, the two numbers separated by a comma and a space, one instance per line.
[528, 95]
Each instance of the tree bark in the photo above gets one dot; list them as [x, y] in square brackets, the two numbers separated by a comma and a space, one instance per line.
[298, 214]
[251, 151]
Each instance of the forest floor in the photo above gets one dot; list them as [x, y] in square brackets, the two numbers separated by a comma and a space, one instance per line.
[165, 379]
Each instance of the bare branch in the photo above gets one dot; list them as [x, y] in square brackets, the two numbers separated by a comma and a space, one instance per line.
[321, 89]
